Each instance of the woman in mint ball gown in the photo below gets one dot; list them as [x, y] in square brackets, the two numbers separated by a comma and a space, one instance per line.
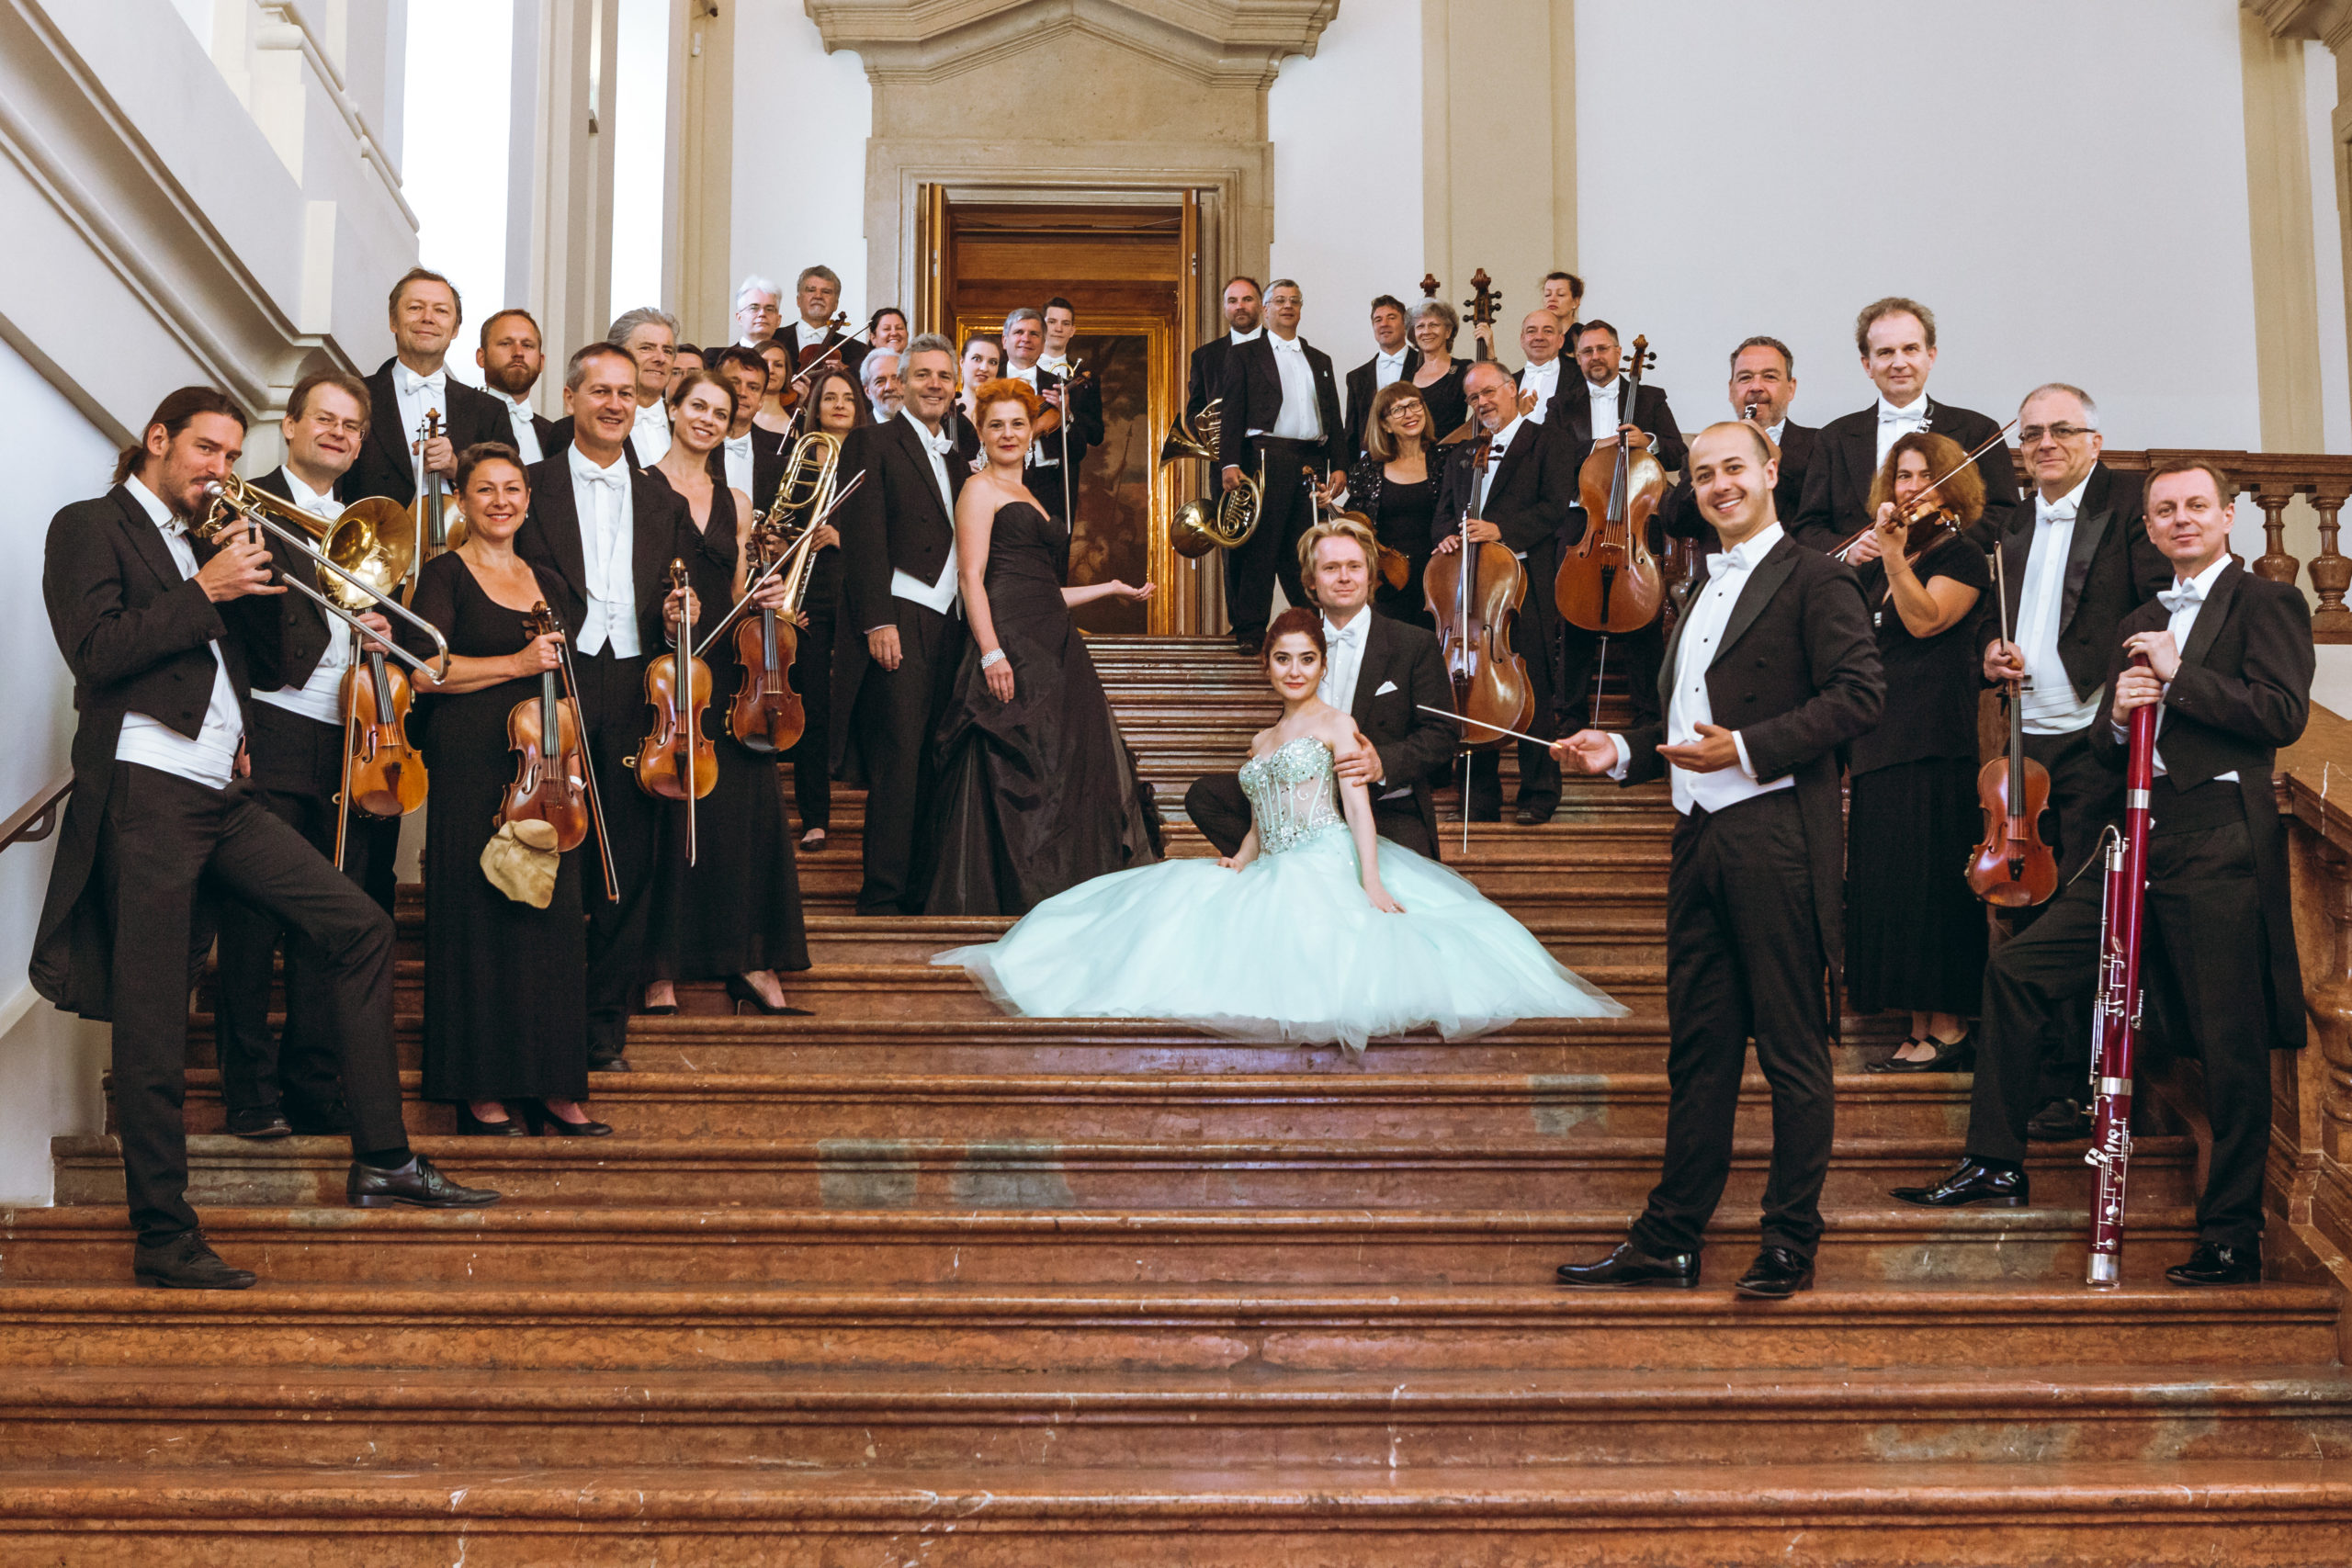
[1315, 931]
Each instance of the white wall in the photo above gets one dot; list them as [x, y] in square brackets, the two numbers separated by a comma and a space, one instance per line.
[640, 131]
[1345, 232]
[454, 166]
[798, 205]
[2328, 249]
[2069, 197]
[50, 1063]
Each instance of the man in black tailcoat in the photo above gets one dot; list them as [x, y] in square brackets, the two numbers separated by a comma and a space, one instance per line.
[1280, 420]
[415, 382]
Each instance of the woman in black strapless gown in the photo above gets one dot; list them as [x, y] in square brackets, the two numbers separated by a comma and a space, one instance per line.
[1037, 792]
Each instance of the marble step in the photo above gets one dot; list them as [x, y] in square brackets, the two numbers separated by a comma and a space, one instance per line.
[1382, 1329]
[1352, 1426]
[743, 1243]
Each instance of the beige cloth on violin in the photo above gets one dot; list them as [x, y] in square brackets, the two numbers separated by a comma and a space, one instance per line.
[521, 861]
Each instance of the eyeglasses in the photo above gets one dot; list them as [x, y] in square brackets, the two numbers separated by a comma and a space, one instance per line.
[2033, 434]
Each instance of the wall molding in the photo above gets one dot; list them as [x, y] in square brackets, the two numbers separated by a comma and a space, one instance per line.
[1219, 43]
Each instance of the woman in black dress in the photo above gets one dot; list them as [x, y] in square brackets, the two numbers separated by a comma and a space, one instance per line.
[1914, 933]
[1435, 326]
[1394, 489]
[983, 362]
[840, 407]
[1037, 792]
[736, 914]
[505, 985]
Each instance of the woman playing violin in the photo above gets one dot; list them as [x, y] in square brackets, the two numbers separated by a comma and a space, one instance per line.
[840, 407]
[505, 985]
[1914, 934]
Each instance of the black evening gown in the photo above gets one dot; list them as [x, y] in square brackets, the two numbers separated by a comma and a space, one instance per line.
[1039, 794]
[1916, 935]
[1400, 517]
[1449, 403]
[738, 907]
[505, 985]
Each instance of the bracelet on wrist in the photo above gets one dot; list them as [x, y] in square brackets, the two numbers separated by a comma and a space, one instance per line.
[993, 656]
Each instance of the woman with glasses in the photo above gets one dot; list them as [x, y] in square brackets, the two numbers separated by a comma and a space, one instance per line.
[1435, 326]
[1394, 486]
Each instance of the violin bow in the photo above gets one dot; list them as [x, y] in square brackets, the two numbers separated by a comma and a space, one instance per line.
[587, 758]
[1990, 442]
[777, 565]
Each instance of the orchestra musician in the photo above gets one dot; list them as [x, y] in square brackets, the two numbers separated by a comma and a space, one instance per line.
[294, 744]
[817, 296]
[1763, 378]
[1024, 339]
[688, 357]
[773, 425]
[2230, 667]
[751, 466]
[1896, 338]
[1526, 491]
[839, 411]
[505, 980]
[512, 361]
[1915, 931]
[1779, 641]
[880, 380]
[1435, 326]
[982, 361]
[759, 311]
[393, 460]
[1280, 412]
[1381, 672]
[1244, 309]
[607, 533]
[649, 337]
[1563, 294]
[893, 670]
[1394, 358]
[1582, 424]
[157, 628]
[1541, 339]
[1083, 401]
[886, 329]
[735, 914]
[1396, 486]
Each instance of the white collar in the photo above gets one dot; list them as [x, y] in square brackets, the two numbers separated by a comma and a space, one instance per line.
[1022, 372]
[1508, 434]
[157, 512]
[521, 405]
[1916, 409]
[1293, 344]
[408, 380]
[304, 496]
[923, 433]
[808, 333]
[1549, 368]
[1752, 550]
[584, 468]
[1606, 389]
[2071, 502]
[1385, 357]
[1774, 432]
[2204, 581]
[1253, 335]
[657, 409]
[1359, 626]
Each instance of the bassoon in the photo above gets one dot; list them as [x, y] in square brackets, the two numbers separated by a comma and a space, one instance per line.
[2115, 1021]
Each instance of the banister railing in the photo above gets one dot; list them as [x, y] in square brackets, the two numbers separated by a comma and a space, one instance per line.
[2308, 1180]
[36, 819]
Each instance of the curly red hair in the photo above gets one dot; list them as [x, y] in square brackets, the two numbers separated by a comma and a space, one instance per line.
[1006, 390]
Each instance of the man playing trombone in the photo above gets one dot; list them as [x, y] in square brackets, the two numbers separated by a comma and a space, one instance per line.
[155, 613]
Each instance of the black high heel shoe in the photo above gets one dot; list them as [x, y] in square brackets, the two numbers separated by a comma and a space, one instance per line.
[471, 1126]
[740, 990]
[541, 1119]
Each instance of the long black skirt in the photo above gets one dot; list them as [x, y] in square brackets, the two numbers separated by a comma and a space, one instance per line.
[1914, 934]
[738, 908]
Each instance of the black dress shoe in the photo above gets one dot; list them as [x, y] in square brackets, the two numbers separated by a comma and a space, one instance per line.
[1629, 1267]
[472, 1126]
[1535, 816]
[1973, 1182]
[2060, 1122]
[740, 990]
[1777, 1274]
[2212, 1264]
[260, 1124]
[542, 1119]
[608, 1063]
[416, 1184]
[186, 1262]
[1950, 1056]
[319, 1122]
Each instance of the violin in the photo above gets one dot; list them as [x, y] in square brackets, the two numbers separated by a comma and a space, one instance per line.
[440, 519]
[1927, 523]
[766, 715]
[1476, 593]
[676, 761]
[2012, 868]
[812, 359]
[552, 779]
[1611, 581]
[382, 774]
[1049, 418]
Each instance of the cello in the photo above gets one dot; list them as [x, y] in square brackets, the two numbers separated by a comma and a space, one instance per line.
[1611, 582]
[676, 761]
[1476, 593]
[2012, 868]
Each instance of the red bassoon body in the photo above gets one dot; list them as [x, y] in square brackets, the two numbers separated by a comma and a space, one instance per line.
[2115, 1021]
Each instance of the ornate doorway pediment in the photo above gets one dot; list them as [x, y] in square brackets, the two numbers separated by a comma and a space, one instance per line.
[1220, 44]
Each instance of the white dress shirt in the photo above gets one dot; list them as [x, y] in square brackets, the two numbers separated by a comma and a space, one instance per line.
[1346, 644]
[1387, 370]
[806, 336]
[417, 396]
[2050, 704]
[210, 759]
[1301, 418]
[939, 595]
[320, 697]
[1038, 457]
[608, 546]
[1893, 424]
[527, 435]
[1056, 363]
[2184, 600]
[650, 436]
[1728, 573]
[1542, 380]
[738, 461]
[1605, 417]
[1237, 339]
[1778, 431]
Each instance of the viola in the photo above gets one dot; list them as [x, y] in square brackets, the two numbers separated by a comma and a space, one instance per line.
[552, 778]
[382, 774]
[1476, 593]
[2012, 868]
[676, 761]
[767, 715]
[1611, 582]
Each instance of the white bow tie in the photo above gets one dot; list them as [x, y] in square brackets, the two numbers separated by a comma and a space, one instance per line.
[2177, 598]
[611, 478]
[1721, 562]
[941, 444]
[1348, 636]
[1288, 345]
[2052, 512]
[742, 443]
[1915, 415]
[411, 383]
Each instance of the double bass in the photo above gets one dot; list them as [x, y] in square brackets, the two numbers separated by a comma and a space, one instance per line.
[1476, 593]
[554, 781]
[676, 761]
[1611, 582]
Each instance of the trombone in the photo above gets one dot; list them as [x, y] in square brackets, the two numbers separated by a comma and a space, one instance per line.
[368, 549]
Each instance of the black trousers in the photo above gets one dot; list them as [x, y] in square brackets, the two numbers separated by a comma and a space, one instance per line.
[649, 843]
[2202, 967]
[1221, 811]
[1536, 637]
[2084, 796]
[1271, 553]
[161, 838]
[297, 774]
[812, 677]
[898, 712]
[1743, 957]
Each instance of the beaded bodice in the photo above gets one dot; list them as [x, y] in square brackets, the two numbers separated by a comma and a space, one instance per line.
[1292, 794]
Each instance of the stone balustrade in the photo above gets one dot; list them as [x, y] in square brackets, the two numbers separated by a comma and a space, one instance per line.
[2273, 479]
[2310, 1178]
